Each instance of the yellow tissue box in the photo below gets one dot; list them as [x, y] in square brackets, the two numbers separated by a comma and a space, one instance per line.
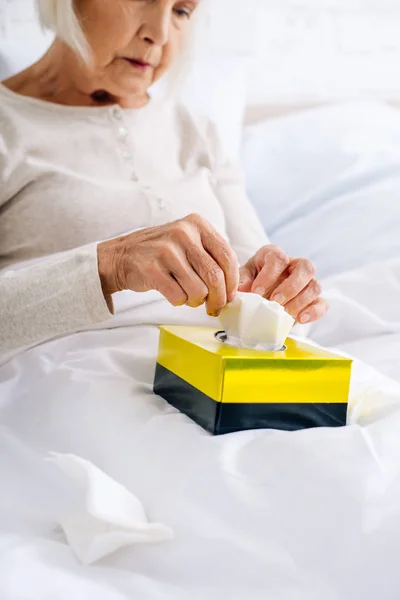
[226, 389]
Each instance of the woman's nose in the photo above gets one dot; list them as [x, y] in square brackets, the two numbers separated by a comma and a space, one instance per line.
[156, 28]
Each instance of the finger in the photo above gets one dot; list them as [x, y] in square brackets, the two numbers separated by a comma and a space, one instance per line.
[300, 273]
[311, 293]
[246, 279]
[219, 249]
[275, 265]
[170, 289]
[194, 287]
[213, 277]
[314, 311]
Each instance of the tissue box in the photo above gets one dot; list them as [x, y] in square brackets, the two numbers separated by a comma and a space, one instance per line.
[226, 389]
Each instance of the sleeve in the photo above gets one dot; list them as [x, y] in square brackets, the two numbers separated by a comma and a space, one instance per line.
[245, 231]
[52, 297]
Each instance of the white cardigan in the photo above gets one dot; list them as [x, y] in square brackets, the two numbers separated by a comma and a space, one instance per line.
[73, 176]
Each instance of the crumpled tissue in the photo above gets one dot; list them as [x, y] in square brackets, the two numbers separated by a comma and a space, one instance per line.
[106, 516]
[252, 322]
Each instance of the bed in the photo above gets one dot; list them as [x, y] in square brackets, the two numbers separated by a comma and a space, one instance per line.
[313, 514]
[259, 514]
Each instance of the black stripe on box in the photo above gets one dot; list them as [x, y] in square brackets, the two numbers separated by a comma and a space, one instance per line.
[220, 418]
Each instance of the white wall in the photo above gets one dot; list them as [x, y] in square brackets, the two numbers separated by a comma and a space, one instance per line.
[21, 39]
[318, 49]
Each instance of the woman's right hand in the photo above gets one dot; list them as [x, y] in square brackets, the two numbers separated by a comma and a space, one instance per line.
[187, 261]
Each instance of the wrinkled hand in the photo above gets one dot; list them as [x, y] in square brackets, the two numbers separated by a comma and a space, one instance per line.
[274, 275]
[187, 261]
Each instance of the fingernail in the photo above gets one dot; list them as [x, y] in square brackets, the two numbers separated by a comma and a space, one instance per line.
[279, 299]
[260, 291]
[306, 318]
[231, 297]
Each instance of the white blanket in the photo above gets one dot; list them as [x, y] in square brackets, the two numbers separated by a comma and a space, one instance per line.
[312, 514]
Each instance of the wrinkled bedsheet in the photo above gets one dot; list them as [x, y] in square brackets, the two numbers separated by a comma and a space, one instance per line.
[307, 515]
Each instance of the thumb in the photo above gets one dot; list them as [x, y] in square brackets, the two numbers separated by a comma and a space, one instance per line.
[246, 280]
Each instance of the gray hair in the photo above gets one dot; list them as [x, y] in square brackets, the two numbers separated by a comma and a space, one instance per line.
[59, 17]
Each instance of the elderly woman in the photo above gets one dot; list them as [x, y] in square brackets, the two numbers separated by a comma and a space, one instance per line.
[87, 155]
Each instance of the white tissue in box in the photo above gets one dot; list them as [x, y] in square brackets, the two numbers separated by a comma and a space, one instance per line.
[106, 516]
[250, 321]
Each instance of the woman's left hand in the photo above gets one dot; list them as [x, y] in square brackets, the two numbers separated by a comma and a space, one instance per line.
[276, 276]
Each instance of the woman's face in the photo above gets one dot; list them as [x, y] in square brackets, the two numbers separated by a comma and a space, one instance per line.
[133, 41]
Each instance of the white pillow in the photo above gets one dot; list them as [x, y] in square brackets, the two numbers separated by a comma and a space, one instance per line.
[326, 183]
[217, 88]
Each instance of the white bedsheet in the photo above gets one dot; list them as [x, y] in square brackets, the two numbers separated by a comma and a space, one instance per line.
[313, 514]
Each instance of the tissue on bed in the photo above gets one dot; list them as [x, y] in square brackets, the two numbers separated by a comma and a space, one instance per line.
[106, 516]
[252, 322]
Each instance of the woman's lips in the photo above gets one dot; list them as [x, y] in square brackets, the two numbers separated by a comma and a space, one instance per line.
[138, 64]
